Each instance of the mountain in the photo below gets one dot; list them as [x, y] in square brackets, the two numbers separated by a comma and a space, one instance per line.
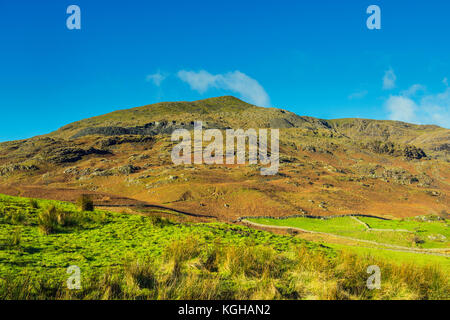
[327, 167]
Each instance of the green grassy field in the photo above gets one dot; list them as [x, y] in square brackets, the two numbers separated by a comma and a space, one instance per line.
[130, 256]
[434, 234]
[398, 257]
[423, 234]
[104, 239]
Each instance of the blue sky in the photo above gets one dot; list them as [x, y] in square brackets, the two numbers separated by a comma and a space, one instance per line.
[314, 58]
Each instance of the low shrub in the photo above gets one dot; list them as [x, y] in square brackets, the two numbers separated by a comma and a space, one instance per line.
[444, 215]
[159, 221]
[85, 203]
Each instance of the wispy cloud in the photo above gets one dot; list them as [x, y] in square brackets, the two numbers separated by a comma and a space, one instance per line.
[157, 78]
[248, 88]
[200, 81]
[445, 81]
[413, 90]
[438, 107]
[401, 108]
[431, 108]
[358, 95]
[389, 79]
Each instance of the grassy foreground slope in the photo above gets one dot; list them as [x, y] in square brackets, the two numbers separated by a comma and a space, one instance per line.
[123, 256]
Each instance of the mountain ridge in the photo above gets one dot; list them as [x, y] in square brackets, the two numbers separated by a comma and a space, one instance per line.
[231, 112]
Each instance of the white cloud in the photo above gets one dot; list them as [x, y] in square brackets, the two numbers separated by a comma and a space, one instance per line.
[156, 78]
[248, 88]
[401, 108]
[438, 107]
[413, 90]
[445, 81]
[200, 81]
[430, 109]
[358, 95]
[389, 79]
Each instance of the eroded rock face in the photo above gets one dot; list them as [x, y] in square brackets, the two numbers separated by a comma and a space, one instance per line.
[442, 147]
[67, 155]
[311, 148]
[150, 129]
[118, 140]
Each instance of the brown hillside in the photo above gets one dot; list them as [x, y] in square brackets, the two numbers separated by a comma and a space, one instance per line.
[327, 167]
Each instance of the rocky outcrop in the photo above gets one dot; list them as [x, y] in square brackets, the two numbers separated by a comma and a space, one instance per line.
[408, 151]
[128, 169]
[403, 177]
[14, 168]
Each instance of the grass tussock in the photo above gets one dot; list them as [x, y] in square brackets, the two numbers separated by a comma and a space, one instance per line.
[13, 240]
[53, 219]
[34, 204]
[48, 220]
